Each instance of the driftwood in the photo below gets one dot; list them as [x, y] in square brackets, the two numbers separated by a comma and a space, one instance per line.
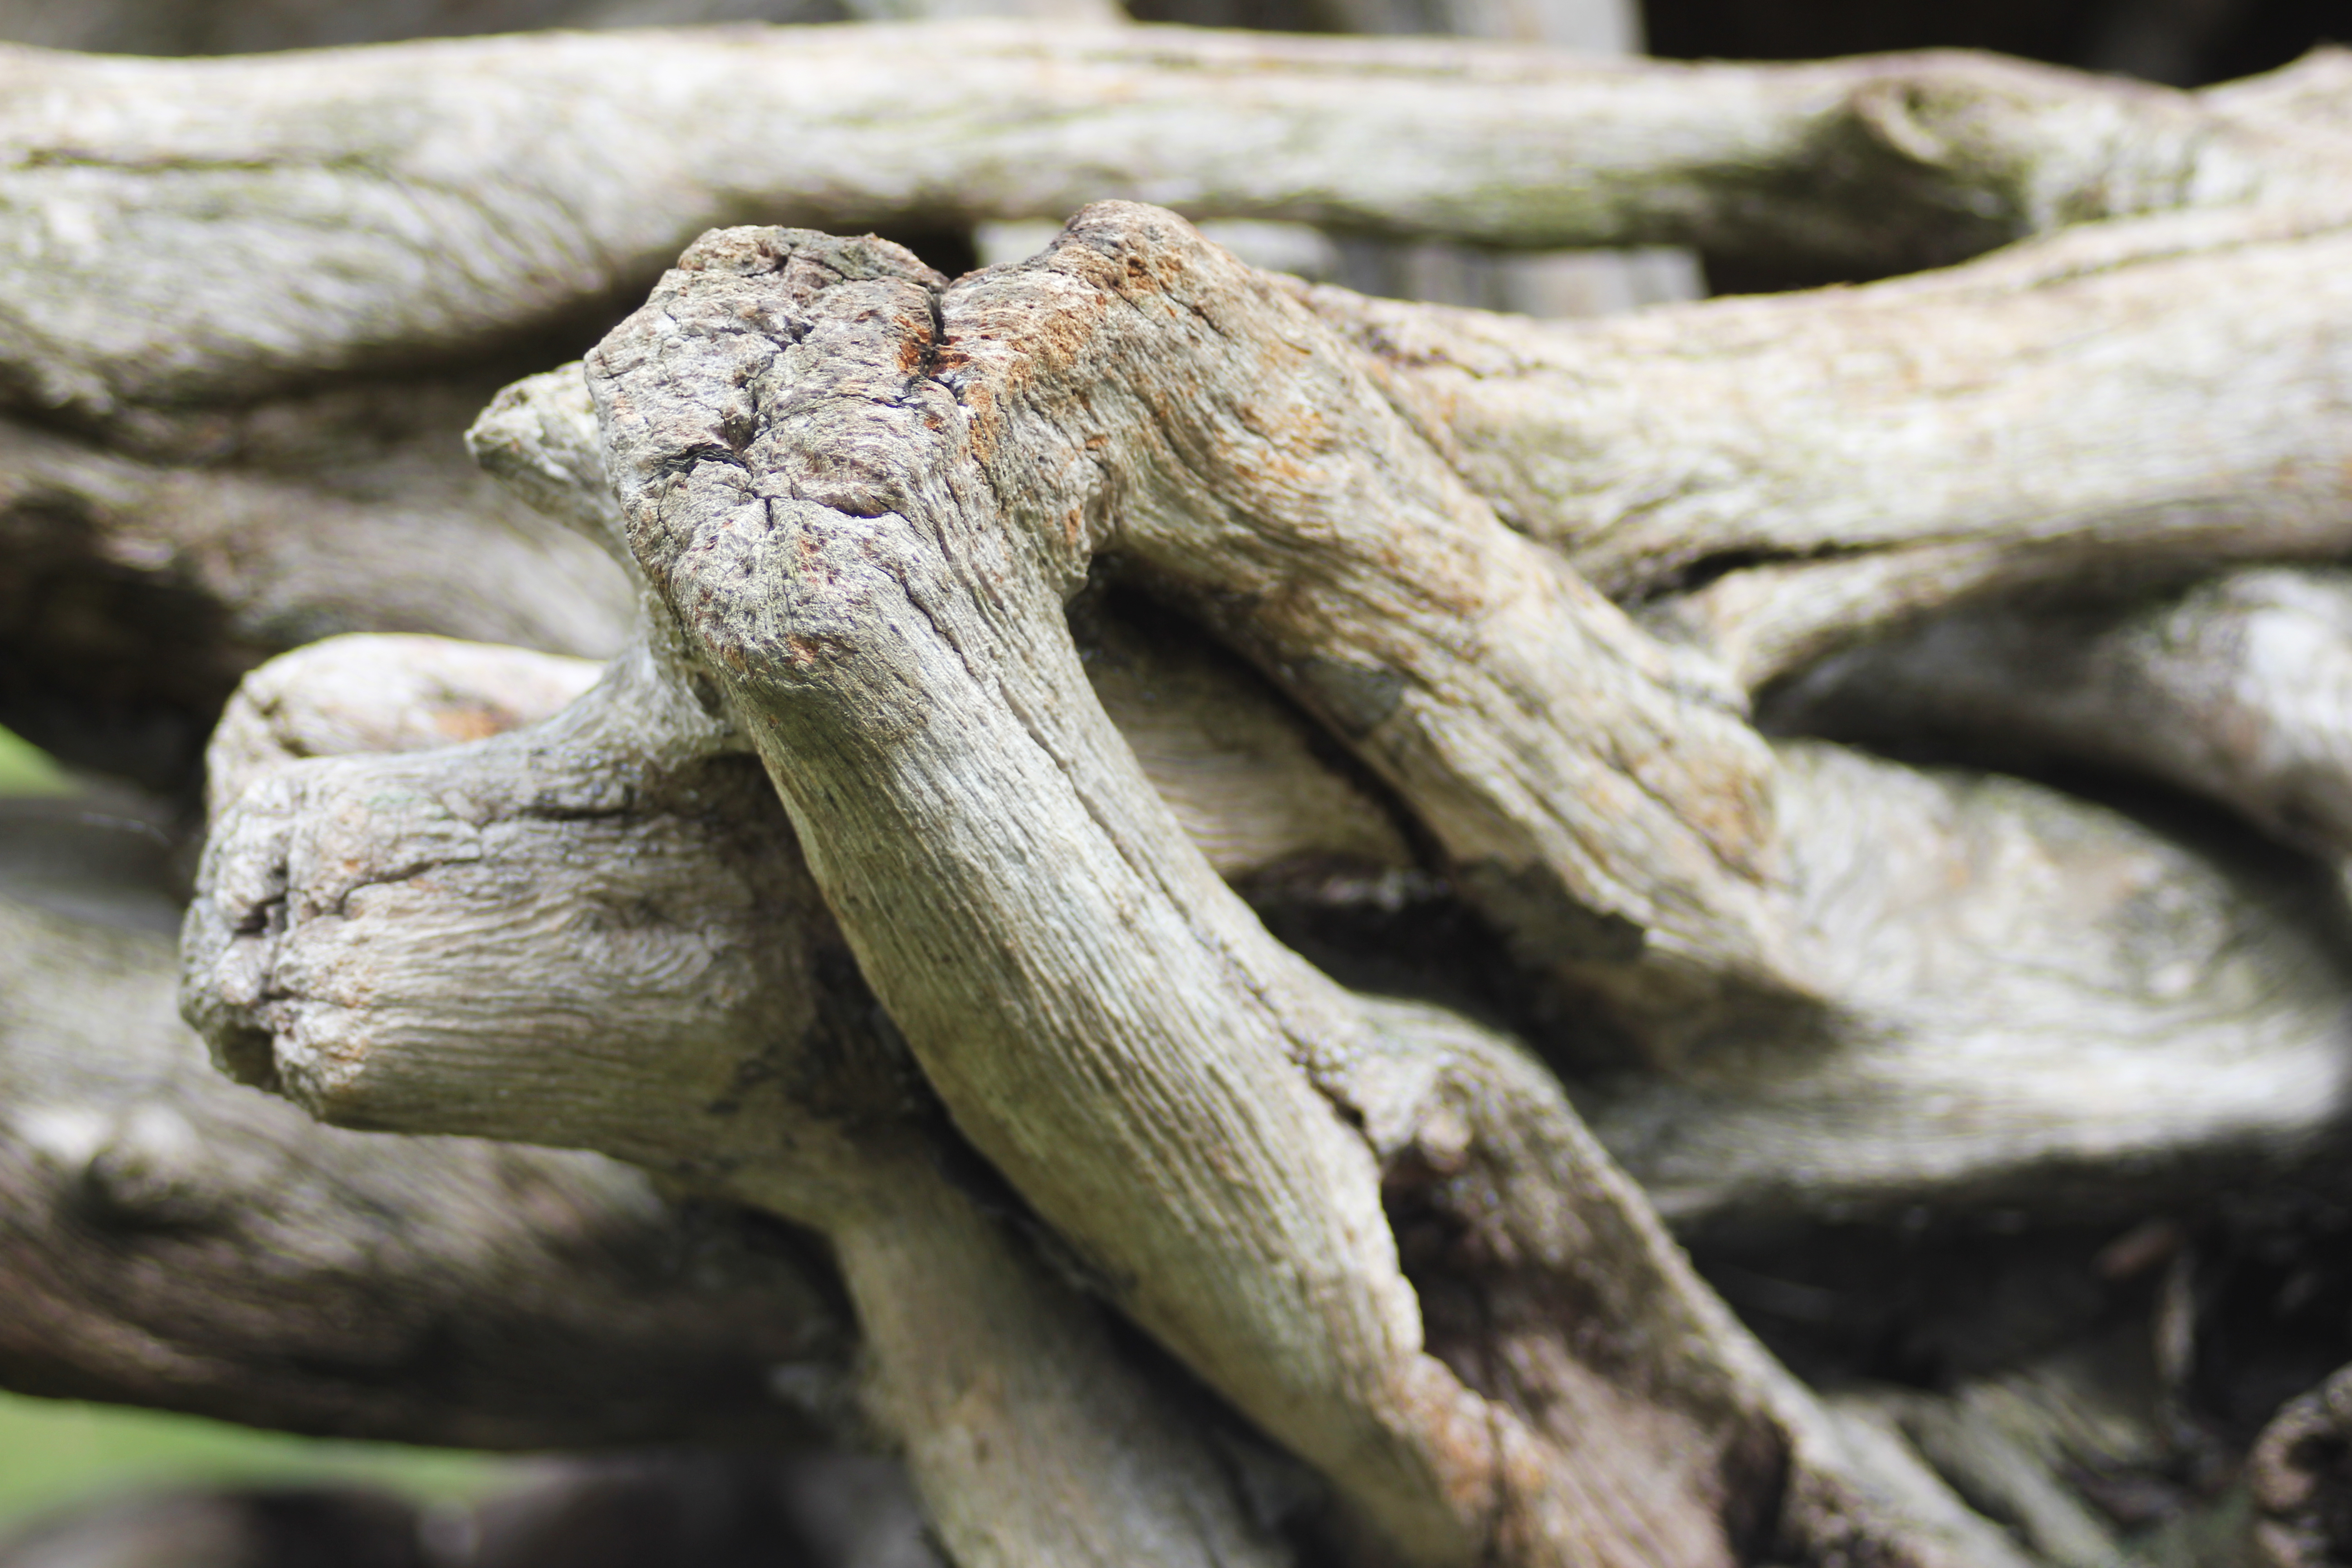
[170, 1239]
[319, 231]
[2240, 690]
[1015, 655]
[298, 884]
[359, 1063]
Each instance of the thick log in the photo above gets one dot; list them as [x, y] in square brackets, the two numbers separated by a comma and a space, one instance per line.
[330, 212]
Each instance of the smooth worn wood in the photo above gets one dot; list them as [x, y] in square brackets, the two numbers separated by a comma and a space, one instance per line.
[170, 1239]
[1772, 478]
[323, 961]
[989, 632]
[137, 584]
[330, 212]
[2240, 691]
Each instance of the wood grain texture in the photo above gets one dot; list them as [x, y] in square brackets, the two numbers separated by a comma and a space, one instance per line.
[140, 581]
[597, 932]
[2239, 689]
[331, 211]
[1772, 479]
[173, 1240]
[887, 864]
[859, 534]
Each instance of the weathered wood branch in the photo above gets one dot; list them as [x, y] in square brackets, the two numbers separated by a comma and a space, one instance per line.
[332, 212]
[2000, 1153]
[1770, 478]
[358, 1043]
[870, 548]
[880, 512]
[172, 1240]
[676, 997]
[1950, 1095]
[2240, 690]
[362, 882]
[2036, 1000]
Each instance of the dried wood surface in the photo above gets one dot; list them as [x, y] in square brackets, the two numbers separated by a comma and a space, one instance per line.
[885, 880]
[2239, 689]
[796, 425]
[1768, 478]
[140, 581]
[332, 212]
[351, 1063]
[173, 1240]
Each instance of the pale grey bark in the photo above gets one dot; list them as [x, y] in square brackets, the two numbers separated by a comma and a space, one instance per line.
[678, 996]
[136, 586]
[974, 1001]
[173, 1240]
[323, 958]
[2033, 1000]
[330, 214]
[1558, 283]
[369, 1062]
[718, 490]
[1770, 478]
[2240, 690]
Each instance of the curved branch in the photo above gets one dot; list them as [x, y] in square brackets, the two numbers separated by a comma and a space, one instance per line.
[2037, 1000]
[2211, 1036]
[2240, 690]
[777, 370]
[134, 592]
[866, 537]
[597, 932]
